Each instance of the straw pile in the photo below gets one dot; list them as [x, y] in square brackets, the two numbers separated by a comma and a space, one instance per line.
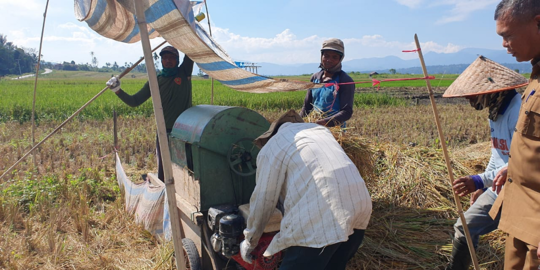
[411, 226]
[413, 209]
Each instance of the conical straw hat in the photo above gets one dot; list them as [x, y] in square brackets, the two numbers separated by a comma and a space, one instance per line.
[484, 76]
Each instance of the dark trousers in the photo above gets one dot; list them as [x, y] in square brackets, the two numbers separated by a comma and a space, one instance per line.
[333, 257]
[161, 173]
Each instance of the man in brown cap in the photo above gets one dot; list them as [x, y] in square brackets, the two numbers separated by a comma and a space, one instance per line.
[174, 87]
[325, 203]
[518, 23]
[334, 102]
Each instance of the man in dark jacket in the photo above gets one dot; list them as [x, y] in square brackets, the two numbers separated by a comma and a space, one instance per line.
[174, 88]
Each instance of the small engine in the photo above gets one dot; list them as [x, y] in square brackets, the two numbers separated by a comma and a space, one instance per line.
[227, 226]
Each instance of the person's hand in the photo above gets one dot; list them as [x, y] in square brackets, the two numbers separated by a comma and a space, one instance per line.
[114, 84]
[500, 179]
[463, 186]
[321, 122]
[245, 252]
[475, 195]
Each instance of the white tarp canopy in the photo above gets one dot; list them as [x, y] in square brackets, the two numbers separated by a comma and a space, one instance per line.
[174, 20]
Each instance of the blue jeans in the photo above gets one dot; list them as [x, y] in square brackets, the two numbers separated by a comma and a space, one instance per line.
[332, 257]
[478, 219]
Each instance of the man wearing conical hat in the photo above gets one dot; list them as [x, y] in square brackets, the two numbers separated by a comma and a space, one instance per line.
[487, 85]
[518, 204]
[325, 202]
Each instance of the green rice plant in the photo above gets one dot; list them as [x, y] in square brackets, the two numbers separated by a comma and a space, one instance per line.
[57, 99]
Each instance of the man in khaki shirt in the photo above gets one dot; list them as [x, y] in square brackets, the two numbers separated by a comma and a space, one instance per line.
[518, 23]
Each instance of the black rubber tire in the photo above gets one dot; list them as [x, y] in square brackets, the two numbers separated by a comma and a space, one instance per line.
[191, 255]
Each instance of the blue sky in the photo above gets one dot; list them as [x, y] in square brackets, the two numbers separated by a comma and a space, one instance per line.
[278, 31]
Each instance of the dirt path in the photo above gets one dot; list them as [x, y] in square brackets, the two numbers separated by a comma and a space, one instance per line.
[47, 71]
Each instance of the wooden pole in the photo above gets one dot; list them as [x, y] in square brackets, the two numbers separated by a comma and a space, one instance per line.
[126, 71]
[176, 226]
[36, 79]
[115, 130]
[210, 30]
[446, 157]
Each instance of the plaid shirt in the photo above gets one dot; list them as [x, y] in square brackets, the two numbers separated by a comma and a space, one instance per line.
[323, 196]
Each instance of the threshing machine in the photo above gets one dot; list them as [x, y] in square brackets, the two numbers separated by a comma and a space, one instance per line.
[214, 164]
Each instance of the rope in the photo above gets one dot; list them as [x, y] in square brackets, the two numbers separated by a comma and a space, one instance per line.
[378, 82]
[411, 51]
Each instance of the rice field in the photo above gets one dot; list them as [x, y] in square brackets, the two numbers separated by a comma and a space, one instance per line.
[68, 94]
[65, 210]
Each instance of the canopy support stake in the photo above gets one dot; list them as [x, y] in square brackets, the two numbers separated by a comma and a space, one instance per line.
[210, 30]
[36, 79]
[446, 157]
[176, 226]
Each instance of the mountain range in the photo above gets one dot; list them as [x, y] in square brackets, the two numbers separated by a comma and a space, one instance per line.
[437, 63]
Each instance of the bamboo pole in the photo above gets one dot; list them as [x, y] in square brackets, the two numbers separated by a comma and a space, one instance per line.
[115, 130]
[446, 157]
[126, 71]
[210, 30]
[36, 79]
[176, 226]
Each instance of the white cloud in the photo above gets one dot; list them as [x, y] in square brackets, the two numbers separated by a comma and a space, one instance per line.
[464, 8]
[410, 3]
[23, 8]
[68, 32]
[285, 39]
[434, 47]
[459, 10]
[287, 48]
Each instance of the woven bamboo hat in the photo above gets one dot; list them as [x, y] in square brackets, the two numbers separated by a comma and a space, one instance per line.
[290, 116]
[484, 76]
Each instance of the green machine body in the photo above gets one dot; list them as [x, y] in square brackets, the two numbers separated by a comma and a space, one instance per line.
[213, 155]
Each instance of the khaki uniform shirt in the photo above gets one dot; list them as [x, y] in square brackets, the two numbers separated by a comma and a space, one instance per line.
[519, 200]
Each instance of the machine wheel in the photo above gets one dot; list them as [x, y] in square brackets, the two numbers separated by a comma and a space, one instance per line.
[241, 157]
[191, 255]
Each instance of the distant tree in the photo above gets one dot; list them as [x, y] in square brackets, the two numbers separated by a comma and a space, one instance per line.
[95, 61]
[115, 66]
[15, 60]
[156, 59]
[200, 73]
[392, 71]
[108, 64]
[516, 70]
[69, 66]
[141, 68]
[84, 67]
